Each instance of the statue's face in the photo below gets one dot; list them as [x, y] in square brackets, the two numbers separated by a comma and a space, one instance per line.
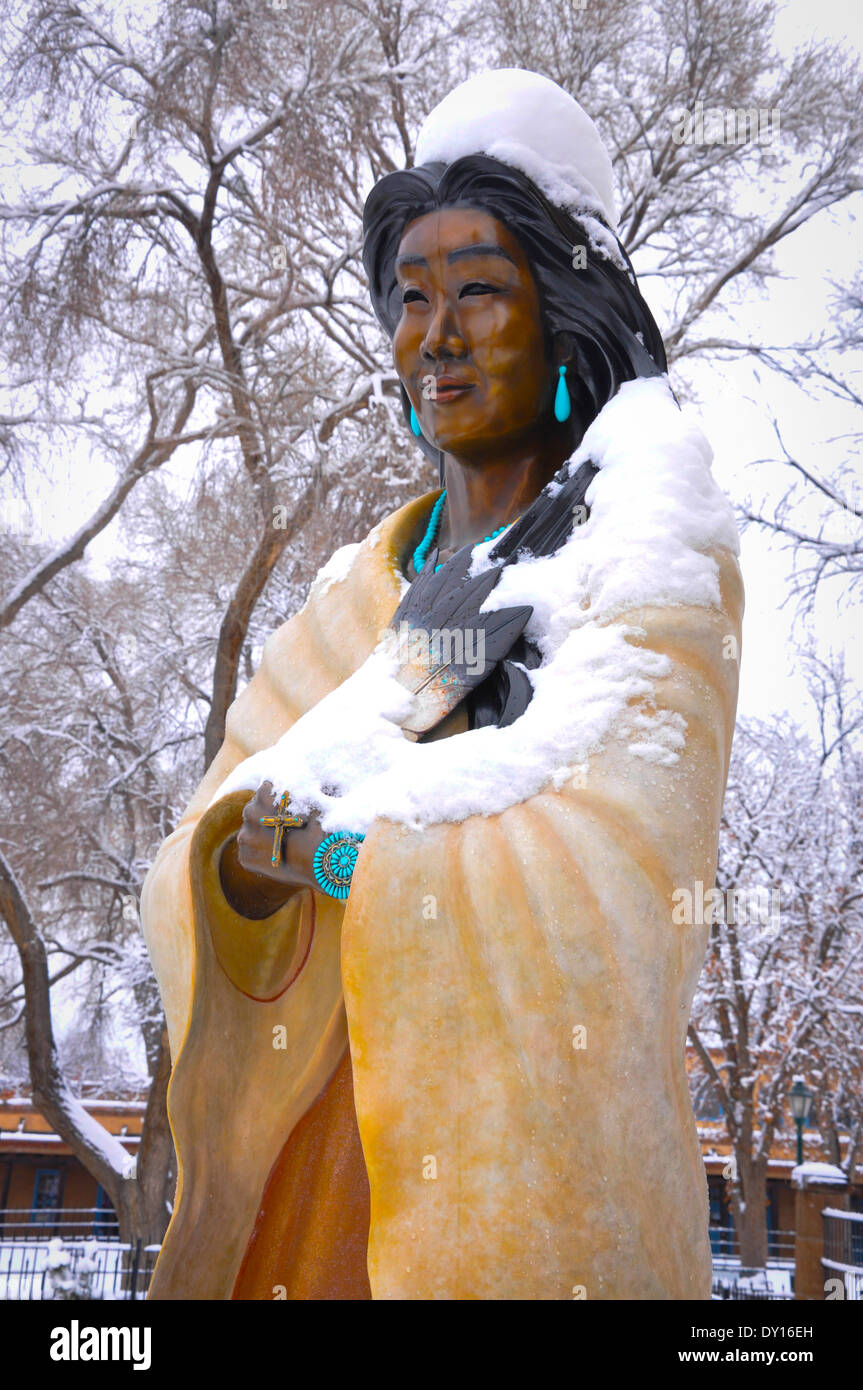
[469, 345]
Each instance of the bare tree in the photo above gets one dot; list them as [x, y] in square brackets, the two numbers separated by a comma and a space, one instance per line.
[703, 221]
[637, 68]
[782, 989]
[185, 229]
[818, 519]
[92, 740]
[183, 300]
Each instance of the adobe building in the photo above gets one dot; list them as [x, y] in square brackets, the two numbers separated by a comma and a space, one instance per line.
[781, 1192]
[40, 1177]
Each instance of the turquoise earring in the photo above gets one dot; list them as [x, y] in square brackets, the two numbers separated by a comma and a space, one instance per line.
[562, 406]
[415, 424]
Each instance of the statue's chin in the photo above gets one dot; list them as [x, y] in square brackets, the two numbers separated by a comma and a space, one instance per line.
[484, 441]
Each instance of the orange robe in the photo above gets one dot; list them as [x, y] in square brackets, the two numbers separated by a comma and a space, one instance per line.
[468, 1081]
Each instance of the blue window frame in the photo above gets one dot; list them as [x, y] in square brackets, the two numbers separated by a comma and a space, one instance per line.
[721, 1236]
[47, 1194]
[105, 1216]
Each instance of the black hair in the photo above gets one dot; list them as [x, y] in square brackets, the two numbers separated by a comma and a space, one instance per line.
[611, 333]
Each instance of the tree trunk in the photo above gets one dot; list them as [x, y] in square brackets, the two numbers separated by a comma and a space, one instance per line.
[235, 624]
[141, 1198]
[144, 1203]
[749, 1203]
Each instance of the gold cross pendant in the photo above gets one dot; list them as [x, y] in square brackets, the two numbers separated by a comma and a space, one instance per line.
[281, 821]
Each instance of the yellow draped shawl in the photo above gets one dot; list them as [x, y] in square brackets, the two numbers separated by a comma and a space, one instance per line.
[471, 1075]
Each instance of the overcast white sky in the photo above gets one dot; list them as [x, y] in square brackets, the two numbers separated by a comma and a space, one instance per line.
[740, 430]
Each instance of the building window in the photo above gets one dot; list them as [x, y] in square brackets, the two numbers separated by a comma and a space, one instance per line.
[47, 1196]
[721, 1223]
[706, 1100]
[105, 1219]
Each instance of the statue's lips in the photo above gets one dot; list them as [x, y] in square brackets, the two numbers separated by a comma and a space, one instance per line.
[450, 391]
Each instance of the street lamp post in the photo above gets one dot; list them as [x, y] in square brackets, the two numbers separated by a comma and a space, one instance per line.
[801, 1099]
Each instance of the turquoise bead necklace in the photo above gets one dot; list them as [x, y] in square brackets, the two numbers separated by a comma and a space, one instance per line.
[425, 545]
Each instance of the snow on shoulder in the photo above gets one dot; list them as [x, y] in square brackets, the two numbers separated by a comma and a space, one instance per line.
[655, 513]
[337, 568]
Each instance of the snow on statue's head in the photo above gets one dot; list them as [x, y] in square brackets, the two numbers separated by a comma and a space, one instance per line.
[517, 146]
[527, 121]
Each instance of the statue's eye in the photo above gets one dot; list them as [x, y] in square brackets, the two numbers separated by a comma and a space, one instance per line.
[476, 287]
[410, 295]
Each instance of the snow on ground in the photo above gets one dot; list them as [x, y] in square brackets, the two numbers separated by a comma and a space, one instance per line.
[29, 1267]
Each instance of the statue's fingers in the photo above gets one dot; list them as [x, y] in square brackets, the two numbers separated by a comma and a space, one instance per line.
[264, 801]
[245, 852]
[253, 838]
[256, 858]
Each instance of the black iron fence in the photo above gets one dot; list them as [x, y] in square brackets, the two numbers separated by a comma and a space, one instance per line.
[74, 1269]
[773, 1284]
[843, 1252]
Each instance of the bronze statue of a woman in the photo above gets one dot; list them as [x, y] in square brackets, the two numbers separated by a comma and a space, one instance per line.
[414, 934]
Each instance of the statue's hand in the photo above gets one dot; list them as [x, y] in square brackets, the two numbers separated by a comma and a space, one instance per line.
[446, 646]
[252, 883]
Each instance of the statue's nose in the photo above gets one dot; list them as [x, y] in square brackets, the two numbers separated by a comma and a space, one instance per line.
[444, 338]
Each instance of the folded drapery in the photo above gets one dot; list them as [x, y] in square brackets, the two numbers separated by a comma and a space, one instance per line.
[505, 988]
